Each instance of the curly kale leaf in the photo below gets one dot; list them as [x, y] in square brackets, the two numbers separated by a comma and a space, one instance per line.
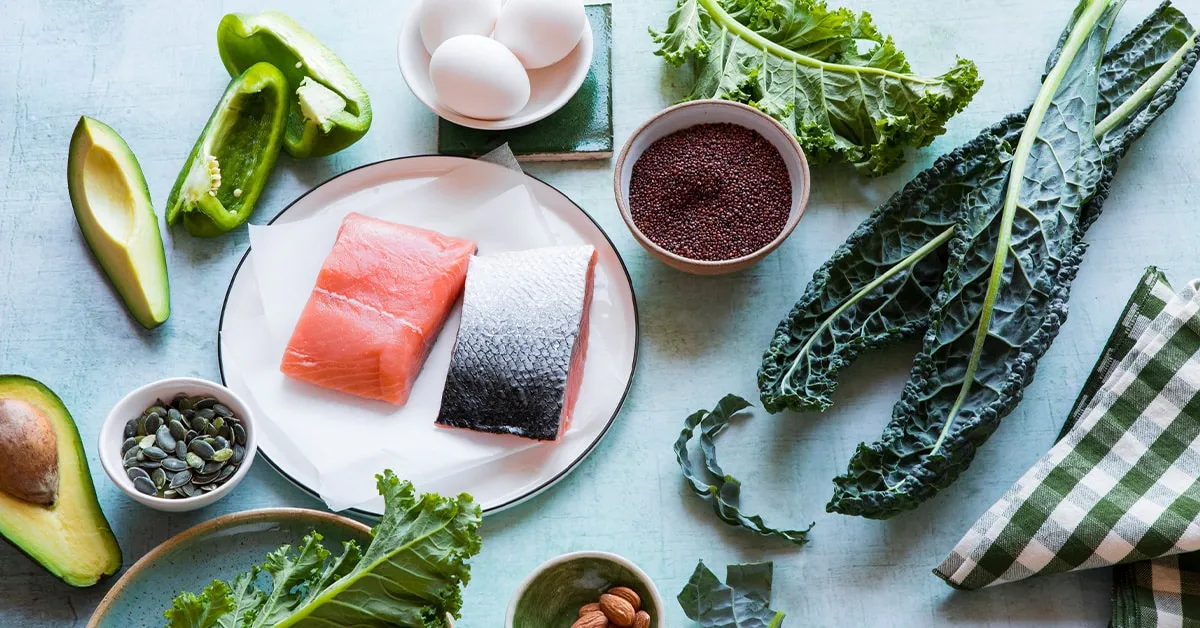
[861, 300]
[725, 489]
[411, 574]
[1004, 293]
[845, 89]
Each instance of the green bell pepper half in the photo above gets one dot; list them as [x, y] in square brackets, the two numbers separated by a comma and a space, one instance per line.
[329, 109]
[229, 166]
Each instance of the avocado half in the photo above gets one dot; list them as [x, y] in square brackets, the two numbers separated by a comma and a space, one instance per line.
[112, 205]
[70, 536]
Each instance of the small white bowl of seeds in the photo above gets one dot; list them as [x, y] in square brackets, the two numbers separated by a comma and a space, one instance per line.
[178, 444]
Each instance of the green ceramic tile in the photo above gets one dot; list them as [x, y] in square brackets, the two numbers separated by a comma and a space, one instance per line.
[583, 129]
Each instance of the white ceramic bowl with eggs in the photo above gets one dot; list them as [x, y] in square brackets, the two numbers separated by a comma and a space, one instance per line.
[136, 402]
[491, 67]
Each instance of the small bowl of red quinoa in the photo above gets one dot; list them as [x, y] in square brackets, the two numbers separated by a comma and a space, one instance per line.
[711, 187]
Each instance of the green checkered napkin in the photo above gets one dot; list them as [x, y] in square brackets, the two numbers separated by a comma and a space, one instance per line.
[1121, 484]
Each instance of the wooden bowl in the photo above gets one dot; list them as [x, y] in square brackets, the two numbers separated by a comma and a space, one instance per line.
[690, 114]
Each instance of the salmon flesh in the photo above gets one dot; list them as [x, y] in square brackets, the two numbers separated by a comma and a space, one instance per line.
[380, 301]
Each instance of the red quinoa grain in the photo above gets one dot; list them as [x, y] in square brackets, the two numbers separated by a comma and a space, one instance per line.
[711, 192]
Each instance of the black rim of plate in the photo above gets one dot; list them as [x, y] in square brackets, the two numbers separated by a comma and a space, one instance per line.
[637, 340]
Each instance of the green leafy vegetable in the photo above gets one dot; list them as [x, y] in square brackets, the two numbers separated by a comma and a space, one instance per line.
[892, 278]
[743, 601]
[411, 575]
[845, 89]
[726, 489]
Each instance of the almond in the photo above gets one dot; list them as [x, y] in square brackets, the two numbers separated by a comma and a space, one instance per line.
[641, 620]
[591, 620]
[618, 610]
[629, 595]
[594, 607]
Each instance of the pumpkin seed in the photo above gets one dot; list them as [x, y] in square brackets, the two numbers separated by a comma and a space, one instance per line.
[208, 488]
[131, 428]
[153, 422]
[199, 423]
[177, 429]
[226, 432]
[144, 485]
[147, 441]
[180, 449]
[239, 452]
[155, 453]
[206, 413]
[203, 403]
[159, 477]
[194, 461]
[181, 478]
[218, 422]
[174, 464]
[149, 465]
[239, 434]
[169, 493]
[202, 449]
[131, 454]
[187, 490]
[212, 466]
[174, 415]
[164, 439]
[223, 454]
[225, 473]
[129, 464]
[136, 473]
[219, 443]
[204, 479]
[178, 398]
[191, 434]
[184, 404]
[141, 454]
[222, 410]
[129, 444]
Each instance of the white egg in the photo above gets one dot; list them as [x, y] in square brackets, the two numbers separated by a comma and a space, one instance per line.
[541, 32]
[440, 20]
[479, 78]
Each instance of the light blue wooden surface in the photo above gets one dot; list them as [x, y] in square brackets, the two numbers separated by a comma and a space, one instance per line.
[151, 71]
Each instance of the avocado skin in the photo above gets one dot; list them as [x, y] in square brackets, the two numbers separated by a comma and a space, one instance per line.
[137, 269]
[85, 558]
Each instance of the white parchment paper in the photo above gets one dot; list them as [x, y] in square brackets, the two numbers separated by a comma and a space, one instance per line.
[347, 440]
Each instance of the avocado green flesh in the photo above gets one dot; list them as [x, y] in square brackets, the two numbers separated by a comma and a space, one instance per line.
[71, 538]
[112, 206]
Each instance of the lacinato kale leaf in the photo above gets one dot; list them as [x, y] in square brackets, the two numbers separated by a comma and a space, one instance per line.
[864, 297]
[890, 278]
[724, 489]
[411, 574]
[844, 88]
[742, 601]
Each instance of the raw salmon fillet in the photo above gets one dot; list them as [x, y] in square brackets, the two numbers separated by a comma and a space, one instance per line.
[518, 360]
[381, 298]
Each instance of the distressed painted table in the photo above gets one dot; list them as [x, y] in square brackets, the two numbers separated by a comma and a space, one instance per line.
[151, 71]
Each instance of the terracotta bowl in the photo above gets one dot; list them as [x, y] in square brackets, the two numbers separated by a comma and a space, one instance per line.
[690, 114]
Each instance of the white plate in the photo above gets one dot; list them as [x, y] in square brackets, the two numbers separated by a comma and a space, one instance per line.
[550, 87]
[496, 484]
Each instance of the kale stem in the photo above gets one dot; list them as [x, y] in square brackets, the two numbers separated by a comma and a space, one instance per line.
[907, 262]
[717, 13]
[1147, 90]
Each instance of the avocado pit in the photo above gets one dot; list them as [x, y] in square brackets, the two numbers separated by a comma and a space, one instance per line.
[28, 453]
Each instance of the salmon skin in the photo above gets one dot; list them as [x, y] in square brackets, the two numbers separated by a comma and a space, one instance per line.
[381, 298]
[518, 360]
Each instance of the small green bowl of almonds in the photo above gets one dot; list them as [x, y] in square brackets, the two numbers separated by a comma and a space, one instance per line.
[586, 590]
[178, 444]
